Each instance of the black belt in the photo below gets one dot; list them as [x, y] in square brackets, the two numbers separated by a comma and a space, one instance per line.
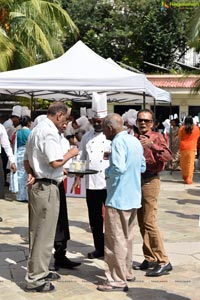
[47, 180]
[149, 175]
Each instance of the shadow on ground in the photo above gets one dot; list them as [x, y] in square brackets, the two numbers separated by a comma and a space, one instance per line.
[153, 294]
[184, 216]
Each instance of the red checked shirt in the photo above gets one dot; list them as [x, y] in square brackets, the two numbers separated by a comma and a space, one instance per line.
[158, 154]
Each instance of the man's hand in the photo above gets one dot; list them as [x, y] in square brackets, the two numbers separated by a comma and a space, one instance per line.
[73, 152]
[13, 167]
[145, 141]
[31, 180]
[77, 183]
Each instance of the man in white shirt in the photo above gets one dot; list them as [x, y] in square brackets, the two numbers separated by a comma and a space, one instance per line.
[10, 126]
[5, 143]
[44, 160]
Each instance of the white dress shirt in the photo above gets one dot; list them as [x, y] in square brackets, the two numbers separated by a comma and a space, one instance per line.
[5, 143]
[65, 146]
[10, 129]
[44, 146]
[92, 147]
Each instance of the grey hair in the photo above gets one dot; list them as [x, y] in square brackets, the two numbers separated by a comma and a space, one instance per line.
[114, 121]
[56, 107]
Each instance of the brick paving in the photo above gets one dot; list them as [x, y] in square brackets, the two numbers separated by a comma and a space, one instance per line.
[179, 222]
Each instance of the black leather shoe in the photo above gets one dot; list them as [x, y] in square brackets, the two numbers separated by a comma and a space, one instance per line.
[1, 220]
[160, 270]
[95, 254]
[65, 263]
[145, 265]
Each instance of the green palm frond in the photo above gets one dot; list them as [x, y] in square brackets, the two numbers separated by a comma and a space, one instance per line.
[23, 57]
[30, 34]
[48, 13]
[6, 49]
[38, 27]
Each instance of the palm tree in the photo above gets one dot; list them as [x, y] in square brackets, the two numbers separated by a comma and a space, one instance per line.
[32, 31]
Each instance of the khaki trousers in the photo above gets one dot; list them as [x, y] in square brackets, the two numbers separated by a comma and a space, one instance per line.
[43, 217]
[153, 248]
[118, 244]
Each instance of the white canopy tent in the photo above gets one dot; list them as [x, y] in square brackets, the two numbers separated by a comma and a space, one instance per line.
[75, 75]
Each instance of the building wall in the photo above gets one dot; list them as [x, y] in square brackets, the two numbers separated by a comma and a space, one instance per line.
[181, 98]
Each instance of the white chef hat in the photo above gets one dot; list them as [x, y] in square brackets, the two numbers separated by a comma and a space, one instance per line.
[90, 113]
[99, 105]
[166, 124]
[195, 120]
[83, 122]
[82, 111]
[175, 116]
[25, 111]
[17, 111]
[38, 119]
[124, 117]
[131, 116]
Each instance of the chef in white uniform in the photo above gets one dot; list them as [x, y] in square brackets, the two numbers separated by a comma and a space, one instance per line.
[92, 147]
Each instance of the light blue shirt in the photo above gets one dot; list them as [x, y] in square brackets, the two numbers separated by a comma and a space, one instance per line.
[123, 177]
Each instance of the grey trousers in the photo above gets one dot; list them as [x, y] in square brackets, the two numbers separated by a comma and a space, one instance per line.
[118, 235]
[43, 217]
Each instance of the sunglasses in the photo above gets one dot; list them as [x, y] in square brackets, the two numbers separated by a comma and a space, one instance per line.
[144, 120]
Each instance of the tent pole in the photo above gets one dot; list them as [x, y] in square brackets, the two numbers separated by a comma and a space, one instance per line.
[33, 106]
[144, 104]
[170, 133]
[154, 109]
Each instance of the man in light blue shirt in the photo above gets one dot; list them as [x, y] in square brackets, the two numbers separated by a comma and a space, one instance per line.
[123, 181]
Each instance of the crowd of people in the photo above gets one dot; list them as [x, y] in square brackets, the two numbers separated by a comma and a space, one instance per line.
[128, 154]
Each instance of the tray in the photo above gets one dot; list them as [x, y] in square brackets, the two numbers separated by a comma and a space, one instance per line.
[86, 172]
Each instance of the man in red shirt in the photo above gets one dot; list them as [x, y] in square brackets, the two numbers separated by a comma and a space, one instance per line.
[157, 154]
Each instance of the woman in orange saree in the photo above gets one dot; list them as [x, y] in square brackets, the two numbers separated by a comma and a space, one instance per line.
[188, 136]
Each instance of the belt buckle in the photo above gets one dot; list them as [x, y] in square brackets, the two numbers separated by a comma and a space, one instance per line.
[53, 181]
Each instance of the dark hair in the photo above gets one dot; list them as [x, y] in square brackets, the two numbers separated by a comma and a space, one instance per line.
[56, 107]
[176, 121]
[72, 136]
[189, 124]
[25, 120]
[145, 110]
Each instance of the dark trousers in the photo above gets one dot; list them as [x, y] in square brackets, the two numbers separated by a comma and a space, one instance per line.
[62, 229]
[5, 162]
[2, 195]
[95, 200]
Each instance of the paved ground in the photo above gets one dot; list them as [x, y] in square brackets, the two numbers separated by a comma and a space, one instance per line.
[179, 221]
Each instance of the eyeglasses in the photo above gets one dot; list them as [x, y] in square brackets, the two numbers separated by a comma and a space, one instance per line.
[144, 120]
